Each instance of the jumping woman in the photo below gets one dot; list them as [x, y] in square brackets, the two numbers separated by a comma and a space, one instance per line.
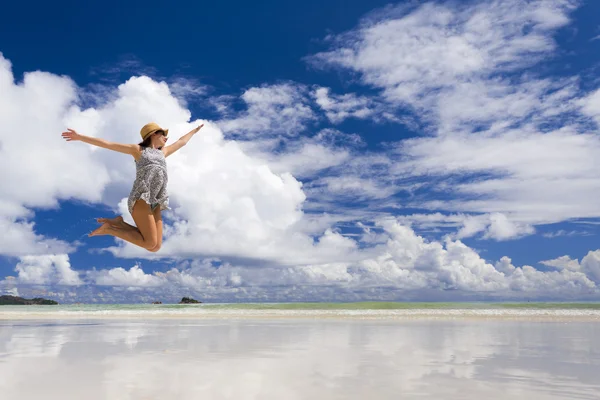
[149, 193]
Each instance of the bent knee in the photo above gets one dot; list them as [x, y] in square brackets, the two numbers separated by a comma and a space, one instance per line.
[155, 248]
[150, 244]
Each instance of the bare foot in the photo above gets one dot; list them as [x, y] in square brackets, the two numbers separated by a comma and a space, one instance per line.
[103, 230]
[118, 221]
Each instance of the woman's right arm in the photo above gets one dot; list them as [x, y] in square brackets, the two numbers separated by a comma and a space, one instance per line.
[71, 135]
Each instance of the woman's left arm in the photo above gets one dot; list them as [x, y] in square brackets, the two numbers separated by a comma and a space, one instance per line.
[182, 141]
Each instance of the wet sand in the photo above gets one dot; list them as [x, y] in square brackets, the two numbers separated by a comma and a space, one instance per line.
[298, 358]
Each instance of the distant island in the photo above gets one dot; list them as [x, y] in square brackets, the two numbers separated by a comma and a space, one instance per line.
[189, 300]
[15, 300]
[184, 300]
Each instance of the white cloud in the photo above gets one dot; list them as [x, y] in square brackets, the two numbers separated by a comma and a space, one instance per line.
[492, 226]
[340, 107]
[353, 188]
[472, 225]
[47, 270]
[43, 172]
[307, 158]
[524, 173]
[501, 136]
[562, 232]
[20, 239]
[394, 264]
[563, 262]
[304, 156]
[590, 265]
[590, 105]
[8, 286]
[527, 279]
[501, 228]
[135, 277]
[280, 109]
[411, 52]
[186, 89]
[225, 202]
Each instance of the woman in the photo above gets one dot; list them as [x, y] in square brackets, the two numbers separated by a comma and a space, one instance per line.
[149, 193]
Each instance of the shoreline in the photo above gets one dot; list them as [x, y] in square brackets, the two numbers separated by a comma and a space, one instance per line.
[201, 313]
[348, 305]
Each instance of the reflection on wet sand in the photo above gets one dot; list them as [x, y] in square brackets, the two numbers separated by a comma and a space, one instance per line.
[298, 359]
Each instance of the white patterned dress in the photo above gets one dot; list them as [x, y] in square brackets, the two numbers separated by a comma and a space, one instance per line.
[150, 180]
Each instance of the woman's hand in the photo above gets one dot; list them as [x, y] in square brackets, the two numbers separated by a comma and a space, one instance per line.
[71, 135]
[197, 128]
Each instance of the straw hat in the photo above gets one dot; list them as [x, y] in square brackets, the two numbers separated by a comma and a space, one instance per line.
[150, 128]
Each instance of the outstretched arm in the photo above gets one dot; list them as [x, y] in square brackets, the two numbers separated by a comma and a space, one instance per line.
[71, 135]
[181, 142]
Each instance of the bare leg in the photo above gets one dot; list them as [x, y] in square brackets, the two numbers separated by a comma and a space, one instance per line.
[144, 235]
[159, 229]
[117, 221]
[129, 235]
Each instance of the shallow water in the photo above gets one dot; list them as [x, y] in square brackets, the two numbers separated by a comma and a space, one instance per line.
[362, 310]
[298, 358]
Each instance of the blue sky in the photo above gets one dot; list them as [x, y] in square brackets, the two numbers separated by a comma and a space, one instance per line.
[351, 151]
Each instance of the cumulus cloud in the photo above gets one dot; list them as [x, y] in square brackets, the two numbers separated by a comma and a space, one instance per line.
[502, 228]
[394, 264]
[590, 265]
[224, 201]
[134, 277]
[44, 172]
[527, 279]
[19, 239]
[47, 270]
[232, 204]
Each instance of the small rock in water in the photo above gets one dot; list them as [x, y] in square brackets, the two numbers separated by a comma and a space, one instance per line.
[189, 300]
